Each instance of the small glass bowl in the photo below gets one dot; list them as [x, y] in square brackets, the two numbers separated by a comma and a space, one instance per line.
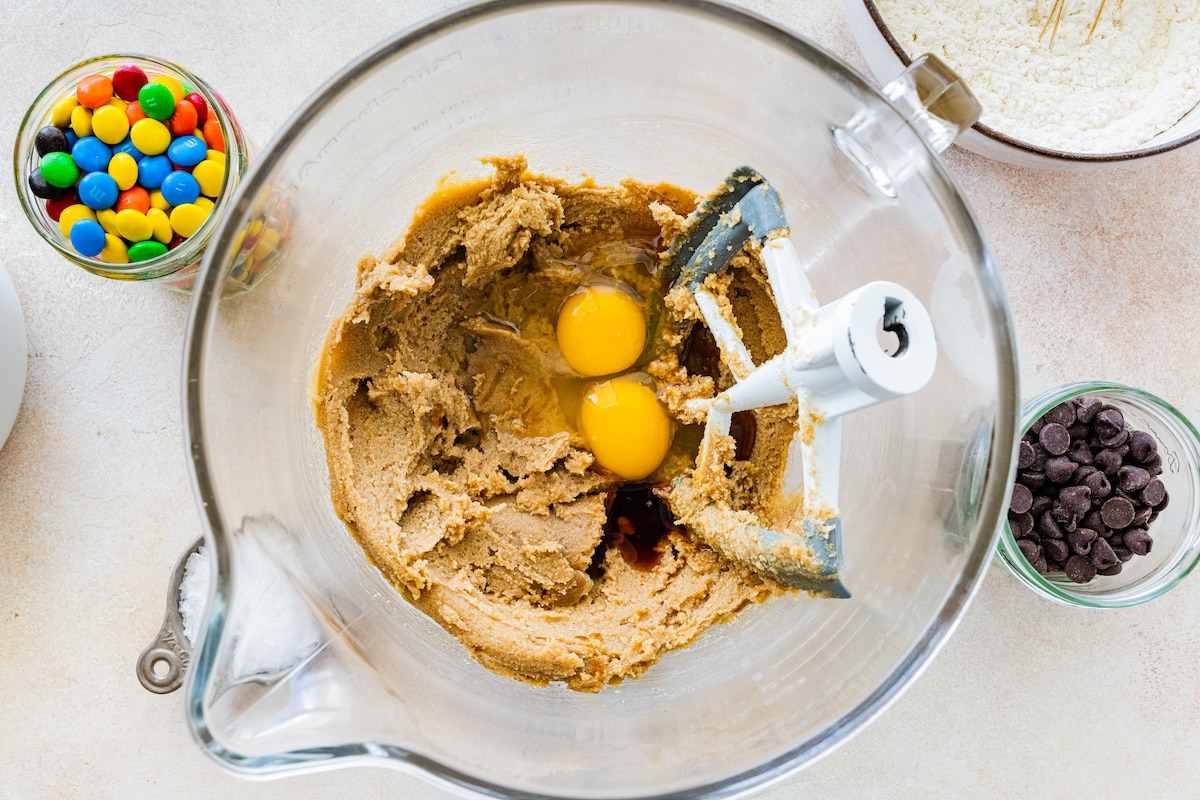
[1176, 532]
[176, 268]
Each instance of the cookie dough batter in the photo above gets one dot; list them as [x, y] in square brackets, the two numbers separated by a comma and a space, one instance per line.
[450, 427]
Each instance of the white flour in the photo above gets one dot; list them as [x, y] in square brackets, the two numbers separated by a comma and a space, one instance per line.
[1137, 75]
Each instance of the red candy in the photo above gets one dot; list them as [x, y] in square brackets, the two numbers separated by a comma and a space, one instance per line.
[127, 81]
[201, 105]
[134, 113]
[212, 135]
[176, 240]
[136, 198]
[55, 207]
[94, 91]
[184, 120]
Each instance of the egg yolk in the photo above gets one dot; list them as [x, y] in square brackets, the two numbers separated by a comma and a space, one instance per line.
[601, 330]
[626, 426]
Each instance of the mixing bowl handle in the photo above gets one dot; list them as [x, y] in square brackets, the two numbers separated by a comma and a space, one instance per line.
[935, 100]
[161, 665]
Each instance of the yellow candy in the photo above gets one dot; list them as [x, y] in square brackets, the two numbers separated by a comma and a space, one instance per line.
[150, 136]
[81, 122]
[186, 218]
[267, 244]
[118, 103]
[114, 251]
[107, 218]
[204, 204]
[626, 427]
[173, 84]
[158, 201]
[124, 170]
[215, 155]
[110, 124]
[60, 115]
[601, 330]
[72, 214]
[134, 225]
[161, 224]
[210, 175]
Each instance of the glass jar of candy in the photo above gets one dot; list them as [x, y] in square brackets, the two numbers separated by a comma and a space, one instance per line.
[125, 163]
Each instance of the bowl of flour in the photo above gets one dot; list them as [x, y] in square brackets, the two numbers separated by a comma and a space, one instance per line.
[1065, 84]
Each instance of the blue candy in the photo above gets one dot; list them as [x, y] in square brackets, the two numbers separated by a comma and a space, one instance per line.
[98, 190]
[152, 170]
[91, 154]
[180, 187]
[72, 138]
[187, 151]
[87, 237]
[126, 146]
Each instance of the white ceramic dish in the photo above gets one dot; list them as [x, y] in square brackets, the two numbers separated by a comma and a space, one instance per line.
[13, 351]
[887, 58]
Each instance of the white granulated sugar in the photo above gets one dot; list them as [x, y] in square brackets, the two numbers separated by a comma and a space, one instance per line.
[1136, 75]
[193, 592]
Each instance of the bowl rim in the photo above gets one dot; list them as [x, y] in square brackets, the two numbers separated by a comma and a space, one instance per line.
[1006, 546]
[1000, 433]
[1037, 150]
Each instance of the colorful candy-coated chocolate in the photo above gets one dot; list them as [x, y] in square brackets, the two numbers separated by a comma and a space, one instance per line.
[81, 121]
[173, 86]
[134, 113]
[109, 124]
[87, 237]
[186, 219]
[156, 101]
[107, 217]
[60, 114]
[44, 189]
[72, 138]
[180, 187]
[59, 169]
[209, 176]
[136, 198]
[91, 154]
[98, 190]
[200, 104]
[144, 251]
[50, 140]
[212, 135]
[127, 81]
[161, 224]
[134, 225]
[152, 170]
[157, 201]
[72, 214]
[184, 120]
[187, 151]
[204, 204]
[176, 240]
[94, 91]
[114, 251]
[54, 208]
[126, 146]
[124, 170]
[150, 136]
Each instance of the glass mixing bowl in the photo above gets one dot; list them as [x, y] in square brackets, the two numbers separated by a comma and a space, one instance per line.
[309, 659]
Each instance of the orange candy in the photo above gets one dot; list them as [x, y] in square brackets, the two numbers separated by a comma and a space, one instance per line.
[135, 114]
[94, 91]
[184, 120]
[212, 134]
[136, 198]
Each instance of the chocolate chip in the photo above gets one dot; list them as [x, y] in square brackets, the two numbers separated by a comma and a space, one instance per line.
[1086, 408]
[1078, 431]
[1062, 414]
[1081, 540]
[1142, 446]
[1039, 457]
[1033, 554]
[1021, 500]
[1109, 460]
[1066, 519]
[1079, 569]
[1055, 550]
[1131, 478]
[1076, 499]
[1117, 512]
[1097, 483]
[1047, 526]
[1142, 515]
[1092, 520]
[1154, 465]
[1025, 455]
[1059, 469]
[1138, 541]
[1037, 426]
[1115, 569]
[1080, 453]
[1123, 553]
[1103, 556]
[1108, 423]
[1021, 525]
[1054, 438]
[1034, 480]
[1154, 493]
[1041, 502]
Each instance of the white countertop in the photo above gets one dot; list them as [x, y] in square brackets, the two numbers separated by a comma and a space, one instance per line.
[1027, 699]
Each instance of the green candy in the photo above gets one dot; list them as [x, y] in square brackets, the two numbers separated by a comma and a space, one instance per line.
[156, 101]
[59, 170]
[144, 251]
